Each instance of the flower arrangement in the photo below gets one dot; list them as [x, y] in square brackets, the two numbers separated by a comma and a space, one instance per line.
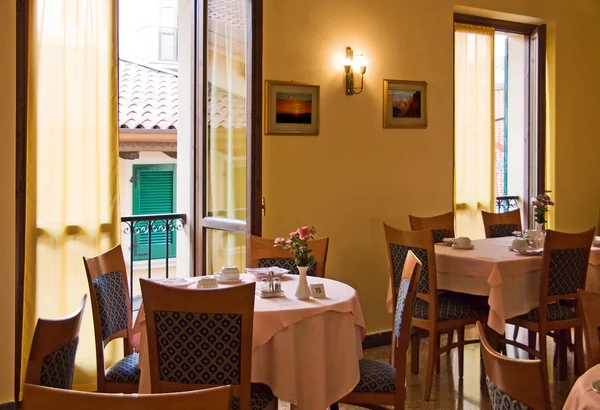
[540, 207]
[297, 244]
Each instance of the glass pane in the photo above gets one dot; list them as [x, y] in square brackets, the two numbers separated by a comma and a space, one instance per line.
[226, 110]
[224, 249]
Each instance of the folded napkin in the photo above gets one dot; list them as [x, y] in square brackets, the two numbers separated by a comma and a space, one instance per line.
[175, 282]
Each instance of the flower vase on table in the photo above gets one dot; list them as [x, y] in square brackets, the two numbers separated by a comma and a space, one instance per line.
[540, 207]
[297, 244]
[302, 291]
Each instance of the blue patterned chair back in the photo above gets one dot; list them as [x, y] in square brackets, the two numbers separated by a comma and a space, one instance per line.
[199, 348]
[58, 367]
[440, 234]
[53, 351]
[502, 230]
[398, 253]
[287, 263]
[568, 269]
[499, 400]
[111, 295]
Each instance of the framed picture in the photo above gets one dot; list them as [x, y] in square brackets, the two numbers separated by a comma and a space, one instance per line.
[291, 108]
[404, 104]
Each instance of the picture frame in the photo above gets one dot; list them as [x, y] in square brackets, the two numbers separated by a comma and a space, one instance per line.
[291, 108]
[404, 104]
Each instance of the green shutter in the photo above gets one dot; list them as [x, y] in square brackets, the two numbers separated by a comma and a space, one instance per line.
[154, 193]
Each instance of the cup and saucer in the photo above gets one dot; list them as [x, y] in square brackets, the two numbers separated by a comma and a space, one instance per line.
[463, 242]
[228, 274]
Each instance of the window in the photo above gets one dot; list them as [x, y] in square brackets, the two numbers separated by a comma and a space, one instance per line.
[154, 193]
[499, 119]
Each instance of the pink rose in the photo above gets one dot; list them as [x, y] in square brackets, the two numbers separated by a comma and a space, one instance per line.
[288, 241]
[313, 231]
[292, 234]
[277, 240]
[304, 232]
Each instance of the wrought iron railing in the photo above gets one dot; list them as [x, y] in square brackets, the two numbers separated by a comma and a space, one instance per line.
[141, 228]
[507, 203]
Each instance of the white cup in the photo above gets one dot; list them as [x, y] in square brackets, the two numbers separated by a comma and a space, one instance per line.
[463, 242]
[519, 243]
[229, 273]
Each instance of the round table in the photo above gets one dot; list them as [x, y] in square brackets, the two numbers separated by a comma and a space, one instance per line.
[307, 351]
[582, 396]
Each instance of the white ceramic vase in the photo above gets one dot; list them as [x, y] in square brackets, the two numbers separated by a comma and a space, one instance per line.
[302, 291]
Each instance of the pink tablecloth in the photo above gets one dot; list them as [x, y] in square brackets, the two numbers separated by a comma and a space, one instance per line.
[511, 280]
[306, 351]
[582, 396]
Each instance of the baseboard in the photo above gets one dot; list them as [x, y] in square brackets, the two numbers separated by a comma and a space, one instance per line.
[8, 406]
[375, 340]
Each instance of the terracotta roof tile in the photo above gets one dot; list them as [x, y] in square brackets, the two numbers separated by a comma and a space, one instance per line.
[148, 99]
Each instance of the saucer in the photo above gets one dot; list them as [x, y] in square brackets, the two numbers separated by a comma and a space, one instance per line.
[531, 252]
[226, 281]
[464, 247]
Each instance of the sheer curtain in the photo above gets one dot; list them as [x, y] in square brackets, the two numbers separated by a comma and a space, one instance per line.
[474, 126]
[72, 186]
[226, 139]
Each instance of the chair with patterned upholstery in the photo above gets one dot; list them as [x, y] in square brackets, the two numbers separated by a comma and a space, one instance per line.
[199, 338]
[52, 356]
[381, 383]
[433, 312]
[500, 225]
[44, 398]
[442, 226]
[264, 254]
[564, 270]
[107, 280]
[589, 304]
[513, 384]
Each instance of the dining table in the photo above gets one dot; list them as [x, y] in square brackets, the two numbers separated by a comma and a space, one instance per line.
[582, 395]
[510, 279]
[306, 351]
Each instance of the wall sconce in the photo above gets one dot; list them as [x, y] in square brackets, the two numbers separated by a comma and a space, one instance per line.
[354, 62]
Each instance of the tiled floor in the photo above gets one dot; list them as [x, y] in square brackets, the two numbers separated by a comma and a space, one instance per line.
[448, 391]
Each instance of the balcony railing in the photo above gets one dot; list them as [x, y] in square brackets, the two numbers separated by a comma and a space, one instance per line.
[142, 228]
[507, 203]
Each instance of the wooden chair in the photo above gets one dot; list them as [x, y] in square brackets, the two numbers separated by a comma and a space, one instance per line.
[589, 304]
[513, 383]
[442, 226]
[381, 383]
[107, 280]
[53, 349]
[433, 313]
[44, 398]
[264, 254]
[564, 270]
[499, 225]
[199, 338]
[598, 224]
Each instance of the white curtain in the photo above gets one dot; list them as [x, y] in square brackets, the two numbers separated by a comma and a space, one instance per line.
[474, 126]
[226, 139]
[72, 183]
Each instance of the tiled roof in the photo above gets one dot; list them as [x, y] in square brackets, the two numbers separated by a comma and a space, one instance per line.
[148, 100]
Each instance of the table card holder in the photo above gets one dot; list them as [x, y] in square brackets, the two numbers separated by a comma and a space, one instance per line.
[270, 287]
[317, 290]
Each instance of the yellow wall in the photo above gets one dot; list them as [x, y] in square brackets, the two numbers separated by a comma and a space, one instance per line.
[356, 175]
[7, 204]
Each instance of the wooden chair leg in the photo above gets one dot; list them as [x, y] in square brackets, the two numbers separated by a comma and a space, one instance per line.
[431, 358]
[579, 364]
[531, 341]
[414, 351]
[562, 354]
[544, 353]
[461, 350]
[516, 332]
[481, 370]
[438, 343]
